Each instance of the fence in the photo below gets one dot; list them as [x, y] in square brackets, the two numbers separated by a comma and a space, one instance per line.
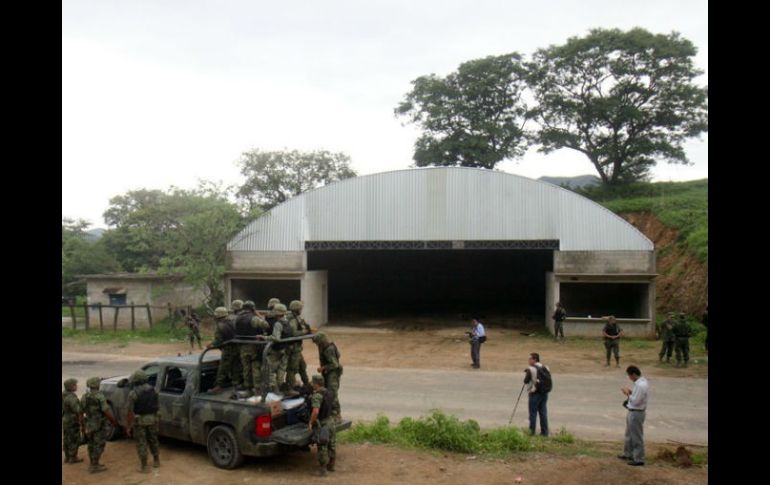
[173, 311]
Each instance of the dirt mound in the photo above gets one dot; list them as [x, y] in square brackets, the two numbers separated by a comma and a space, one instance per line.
[683, 281]
[682, 457]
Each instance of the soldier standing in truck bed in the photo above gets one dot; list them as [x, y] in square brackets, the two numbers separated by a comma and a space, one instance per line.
[296, 363]
[224, 331]
[249, 325]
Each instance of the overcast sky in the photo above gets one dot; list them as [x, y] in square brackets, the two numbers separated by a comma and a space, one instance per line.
[165, 92]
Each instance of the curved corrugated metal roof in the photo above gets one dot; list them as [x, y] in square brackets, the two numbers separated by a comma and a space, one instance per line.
[440, 204]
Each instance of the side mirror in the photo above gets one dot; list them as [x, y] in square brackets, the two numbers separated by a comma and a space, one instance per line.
[123, 382]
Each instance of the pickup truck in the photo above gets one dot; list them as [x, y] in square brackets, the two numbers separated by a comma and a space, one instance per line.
[231, 428]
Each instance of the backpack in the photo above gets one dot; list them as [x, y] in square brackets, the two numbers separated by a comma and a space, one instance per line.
[544, 382]
[146, 402]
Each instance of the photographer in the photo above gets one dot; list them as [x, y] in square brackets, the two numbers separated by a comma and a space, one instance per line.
[478, 336]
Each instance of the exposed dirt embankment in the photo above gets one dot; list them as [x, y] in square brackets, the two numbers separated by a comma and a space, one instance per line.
[683, 281]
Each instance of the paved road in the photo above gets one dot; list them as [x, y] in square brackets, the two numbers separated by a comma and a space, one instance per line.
[589, 406]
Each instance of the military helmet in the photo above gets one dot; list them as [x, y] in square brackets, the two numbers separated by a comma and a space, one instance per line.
[70, 383]
[221, 312]
[272, 302]
[295, 305]
[138, 377]
[320, 337]
[249, 304]
[611, 319]
[236, 304]
[93, 383]
[279, 309]
[317, 379]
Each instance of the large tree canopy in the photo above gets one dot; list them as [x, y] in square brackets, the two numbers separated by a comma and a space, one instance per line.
[79, 255]
[624, 99]
[473, 117]
[273, 177]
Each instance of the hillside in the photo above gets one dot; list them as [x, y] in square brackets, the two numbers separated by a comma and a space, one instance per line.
[674, 215]
[576, 182]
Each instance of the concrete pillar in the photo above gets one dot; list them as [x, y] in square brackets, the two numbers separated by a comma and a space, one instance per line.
[551, 297]
[314, 294]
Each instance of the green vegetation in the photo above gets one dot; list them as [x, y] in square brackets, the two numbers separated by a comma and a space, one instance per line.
[700, 457]
[679, 205]
[161, 332]
[79, 310]
[440, 431]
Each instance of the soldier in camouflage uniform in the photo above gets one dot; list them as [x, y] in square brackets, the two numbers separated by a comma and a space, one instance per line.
[96, 409]
[682, 343]
[193, 329]
[223, 332]
[142, 419]
[249, 325]
[296, 363]
[71, 417]
[277, 356]
[235, 308]
[612, 333]
[331, 369]
[666, 334]
[321, 417]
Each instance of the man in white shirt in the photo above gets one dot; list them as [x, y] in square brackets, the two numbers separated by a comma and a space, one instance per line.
[637, 409]
[478, 336]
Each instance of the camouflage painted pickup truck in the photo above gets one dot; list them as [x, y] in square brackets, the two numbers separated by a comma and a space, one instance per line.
[230, 428]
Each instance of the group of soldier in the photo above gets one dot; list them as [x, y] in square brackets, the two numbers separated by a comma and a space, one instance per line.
[675, 334]
[241, 333]
[84, 421]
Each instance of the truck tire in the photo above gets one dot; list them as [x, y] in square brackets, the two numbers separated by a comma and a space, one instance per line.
[112, 433]
[222, 445]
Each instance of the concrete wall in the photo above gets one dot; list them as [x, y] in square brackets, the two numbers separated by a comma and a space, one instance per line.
[592, 327]
[604, 261]
[157, 293]
[315, 296]
[551, 297]
[265, 260]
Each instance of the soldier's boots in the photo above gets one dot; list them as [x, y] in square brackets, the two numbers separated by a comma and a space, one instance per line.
[330, 466]
[144, 468]
[73, 460]
[215, 390]
[156, 461]
[321, 472]
[96, 467]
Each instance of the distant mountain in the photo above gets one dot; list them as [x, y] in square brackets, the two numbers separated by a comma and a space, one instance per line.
[94, 234]
[573, 182]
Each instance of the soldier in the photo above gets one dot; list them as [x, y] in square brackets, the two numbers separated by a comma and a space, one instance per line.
[71, 417]
[277, 356]
[666, 334]
[142, 419]
[558, 318]
[249, 325]
[321, 420]
[296, 363]
[193, 329]
[235, 308]
[331, 369]
[612, 333]
[96, 409]
[682, 343]
[224, 331]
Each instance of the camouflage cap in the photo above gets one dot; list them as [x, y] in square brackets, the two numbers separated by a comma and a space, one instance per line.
[249, 304]
[272, 302]
[70, 383]
[295, 305]
[93, 383]
[317, 379]
[236, 304]
[138, 377]
[611, 319]
[279, 309]
[221, 312]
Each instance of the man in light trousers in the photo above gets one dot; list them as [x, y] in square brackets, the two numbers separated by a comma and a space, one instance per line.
[636, 404]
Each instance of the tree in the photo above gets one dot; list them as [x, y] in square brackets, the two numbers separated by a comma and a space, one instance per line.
[176, 232]
[624, 99]
[473, 117]
[275, 177]
[80, 256]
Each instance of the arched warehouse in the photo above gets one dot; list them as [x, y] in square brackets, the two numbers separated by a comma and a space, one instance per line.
[443, 240]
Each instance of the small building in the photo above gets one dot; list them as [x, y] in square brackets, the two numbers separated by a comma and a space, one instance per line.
[138, 289]
[447, 239]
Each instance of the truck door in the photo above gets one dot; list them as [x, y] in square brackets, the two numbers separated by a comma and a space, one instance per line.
[174, 400]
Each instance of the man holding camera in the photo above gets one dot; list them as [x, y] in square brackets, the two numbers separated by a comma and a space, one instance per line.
[478, 336]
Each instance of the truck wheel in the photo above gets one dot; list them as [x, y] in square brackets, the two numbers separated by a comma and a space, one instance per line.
[112, 433]
[223, 448]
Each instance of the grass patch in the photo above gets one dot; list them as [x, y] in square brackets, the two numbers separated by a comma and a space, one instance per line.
[680, 205]
[439, 431]
[161, 332]
[700, 458]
